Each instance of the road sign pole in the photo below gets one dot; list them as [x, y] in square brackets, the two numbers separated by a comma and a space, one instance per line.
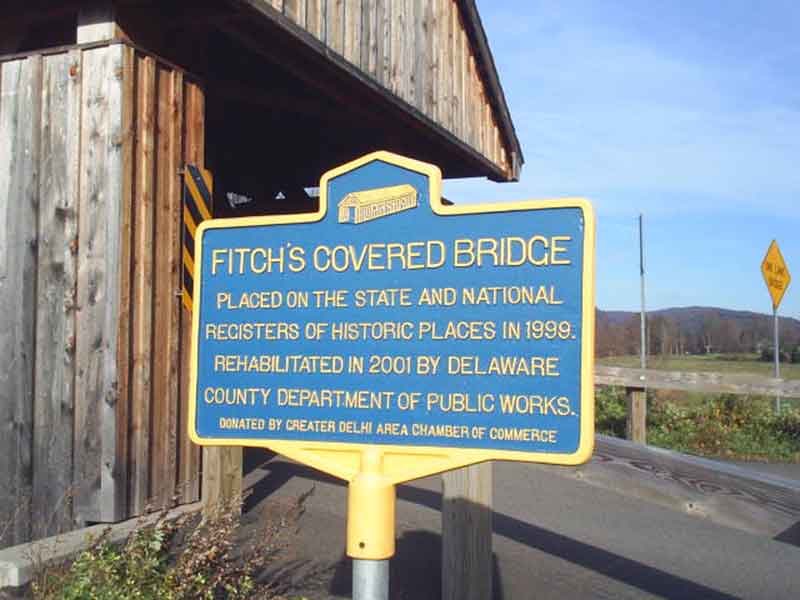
[776, 276]
[370, 579]
[777, 354]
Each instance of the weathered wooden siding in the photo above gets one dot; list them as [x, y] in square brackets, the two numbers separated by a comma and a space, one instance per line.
[92, 330]
[165, 125]
[56, 290]
[20, 128]
[99, 474]
[417, 49]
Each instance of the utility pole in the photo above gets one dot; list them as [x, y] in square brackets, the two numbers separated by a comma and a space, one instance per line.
[644, 313]
[636, 428]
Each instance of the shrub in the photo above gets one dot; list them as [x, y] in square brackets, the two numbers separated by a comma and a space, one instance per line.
[785, 356]
[788, 424]
[610, 411]
[670, 425]
[173, 560]
[726, 425]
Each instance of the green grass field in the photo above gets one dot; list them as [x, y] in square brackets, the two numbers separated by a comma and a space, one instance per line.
[718, 363]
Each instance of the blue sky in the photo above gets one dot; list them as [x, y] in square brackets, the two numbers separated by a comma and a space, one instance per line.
[686, 111]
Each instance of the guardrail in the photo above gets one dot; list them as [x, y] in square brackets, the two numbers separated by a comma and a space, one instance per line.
[720, 383]
[636, 381]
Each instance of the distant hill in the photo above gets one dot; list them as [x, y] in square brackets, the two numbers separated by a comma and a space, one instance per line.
[693, 329]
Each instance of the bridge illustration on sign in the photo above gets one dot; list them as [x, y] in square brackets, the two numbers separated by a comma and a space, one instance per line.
[367, 205]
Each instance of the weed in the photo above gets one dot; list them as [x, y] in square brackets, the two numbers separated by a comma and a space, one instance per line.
[611, 411]
[726, 425]
[182, 559]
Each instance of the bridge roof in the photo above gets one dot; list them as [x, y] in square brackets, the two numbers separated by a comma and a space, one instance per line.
[412, 76]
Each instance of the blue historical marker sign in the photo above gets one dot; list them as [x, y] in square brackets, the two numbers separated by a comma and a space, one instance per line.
[389, 319]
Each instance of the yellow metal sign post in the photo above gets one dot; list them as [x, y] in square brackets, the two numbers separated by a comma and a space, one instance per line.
[776, 276]
[389, 336]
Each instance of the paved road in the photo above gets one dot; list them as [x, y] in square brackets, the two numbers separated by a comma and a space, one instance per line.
[553, 538]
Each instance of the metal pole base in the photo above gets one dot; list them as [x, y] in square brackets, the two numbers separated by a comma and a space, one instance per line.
[370, 579]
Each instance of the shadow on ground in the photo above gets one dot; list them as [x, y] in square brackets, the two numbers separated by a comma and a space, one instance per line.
[415, 571]
[418, 559]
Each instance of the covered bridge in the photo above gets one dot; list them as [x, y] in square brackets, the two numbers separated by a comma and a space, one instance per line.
[102, 105]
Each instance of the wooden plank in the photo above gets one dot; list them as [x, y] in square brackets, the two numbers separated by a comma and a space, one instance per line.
[447, 101]
[194, 124]
[370, 29]
[352, 31]
[176, 266]
[478, 108]
[422, 55]
[56, 289]
[334, 25]
[124, 327]
[166, 302]
[315, 18]
[436, 47]
[292, 11]
[721, 492]
[409, 74]
[161, 288]
[397, 52]
[114, 468]
[188, 452]
[488, 128]
[494, 146]
[20, 114]
[141, 374]
[384, 39]
[496, 142]
[472, 104]
[636, 426]
[460, 67]
[99, 479]
[485, 120]
[720, 383]
[467, 563]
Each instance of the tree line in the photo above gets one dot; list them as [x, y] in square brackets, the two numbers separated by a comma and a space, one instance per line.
[693, 331]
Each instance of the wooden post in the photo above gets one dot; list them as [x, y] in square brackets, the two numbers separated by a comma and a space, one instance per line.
[222, 477]
[467, 533]
[97, 22]
[637, 415]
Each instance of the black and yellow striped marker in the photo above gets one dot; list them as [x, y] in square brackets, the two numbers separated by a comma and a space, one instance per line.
[198, 185]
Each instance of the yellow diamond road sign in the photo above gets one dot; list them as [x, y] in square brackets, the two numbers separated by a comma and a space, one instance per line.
[776, 273]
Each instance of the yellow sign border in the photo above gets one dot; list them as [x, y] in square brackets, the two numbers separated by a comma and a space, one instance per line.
[399, 462]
